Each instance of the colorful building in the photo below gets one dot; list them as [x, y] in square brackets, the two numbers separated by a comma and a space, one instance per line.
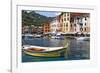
[86, 25]
[25, 29]
[54, 26]
[69, 23]
[46, 27]
[80, 23]
[64, 22]
[60, 23]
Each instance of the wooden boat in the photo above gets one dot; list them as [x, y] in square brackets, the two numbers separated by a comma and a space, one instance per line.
[44, 51]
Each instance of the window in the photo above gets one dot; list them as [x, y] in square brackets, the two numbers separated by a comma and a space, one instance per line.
[66, 24]
[85, 18]
[75, 25]
[71, 25]
[67, 14]
[85, 29]
[68, 19]
[81, 24]
[78, 18]
[64, 19]
[75, 29]
[81, 29]
[85, 24]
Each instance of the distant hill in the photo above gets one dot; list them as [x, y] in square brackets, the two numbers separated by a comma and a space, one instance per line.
[33, 18]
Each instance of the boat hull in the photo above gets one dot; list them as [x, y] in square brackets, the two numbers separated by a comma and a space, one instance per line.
[55, 53]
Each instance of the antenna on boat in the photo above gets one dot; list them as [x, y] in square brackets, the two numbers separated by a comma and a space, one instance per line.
[65, 44]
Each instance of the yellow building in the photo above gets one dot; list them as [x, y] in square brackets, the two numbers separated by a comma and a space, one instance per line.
[66, 22]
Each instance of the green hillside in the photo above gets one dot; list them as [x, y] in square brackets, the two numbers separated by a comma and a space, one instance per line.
[33, 18]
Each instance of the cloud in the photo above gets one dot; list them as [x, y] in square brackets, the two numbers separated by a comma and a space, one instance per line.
[28, 11]
[57, 13]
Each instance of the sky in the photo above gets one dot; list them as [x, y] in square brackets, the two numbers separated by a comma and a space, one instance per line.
[48, 13]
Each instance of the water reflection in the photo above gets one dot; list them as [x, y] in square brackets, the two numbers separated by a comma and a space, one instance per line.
[78, 49]
[43, 42]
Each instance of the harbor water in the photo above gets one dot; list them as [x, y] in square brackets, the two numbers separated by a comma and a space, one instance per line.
[77, 50]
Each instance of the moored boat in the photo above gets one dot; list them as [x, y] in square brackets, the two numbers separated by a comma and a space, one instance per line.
[57, 37]
[83, 38]
[44, 51]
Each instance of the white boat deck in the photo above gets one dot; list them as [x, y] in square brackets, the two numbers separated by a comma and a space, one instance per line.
[46, 48]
